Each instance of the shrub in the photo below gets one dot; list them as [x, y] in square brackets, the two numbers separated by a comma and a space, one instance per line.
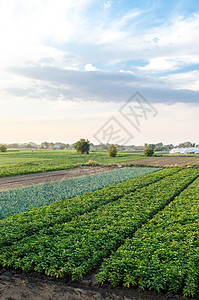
[82, 146]
[148, 152]
[3, 148]
[112, 151]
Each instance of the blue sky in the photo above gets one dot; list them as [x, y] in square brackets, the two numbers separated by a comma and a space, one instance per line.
[67, 67]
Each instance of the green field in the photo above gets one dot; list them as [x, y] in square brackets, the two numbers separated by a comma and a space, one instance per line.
[141, 232]
[25, 162]
[24, 199]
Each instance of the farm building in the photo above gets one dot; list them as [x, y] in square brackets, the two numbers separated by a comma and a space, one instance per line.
[185, 150]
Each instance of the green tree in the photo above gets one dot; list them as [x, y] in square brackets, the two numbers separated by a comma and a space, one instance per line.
[112, 151]
[3, 148]
[82, 146]
[148, 152]
[186, 145]
[44, 145]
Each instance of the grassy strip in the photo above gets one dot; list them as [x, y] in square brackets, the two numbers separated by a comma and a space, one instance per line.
[24, 199]
[26, 162]
[27, 223]
[76, 247]
[33, 167]
[163, 254]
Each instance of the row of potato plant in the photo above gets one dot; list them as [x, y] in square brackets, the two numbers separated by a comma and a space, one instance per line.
[164, 253]
[27, 223]
[26, 198]
[76, 247]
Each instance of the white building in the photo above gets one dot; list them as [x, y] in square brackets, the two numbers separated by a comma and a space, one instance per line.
[185, 150]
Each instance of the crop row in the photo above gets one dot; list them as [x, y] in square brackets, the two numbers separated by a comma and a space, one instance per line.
[76, 247]
[27, 223]
[33, 167]
[24, 199]
[163, 254]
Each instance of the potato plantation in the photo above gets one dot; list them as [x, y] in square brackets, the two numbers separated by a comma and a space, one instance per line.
[139, 226]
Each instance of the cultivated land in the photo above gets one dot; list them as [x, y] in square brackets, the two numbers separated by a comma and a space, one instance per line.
[24, 199]
[13, 182]
[25, 162]
[168, 161]
[21, 162]
[139, 233]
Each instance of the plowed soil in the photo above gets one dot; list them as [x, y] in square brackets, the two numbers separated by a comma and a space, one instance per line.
[16, 285]
[31, 179]
[169, 161]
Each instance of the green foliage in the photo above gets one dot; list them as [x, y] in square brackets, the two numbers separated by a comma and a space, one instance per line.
[27, 223]
[76, 247]
[186, 145]
[148, 152]
[112, 151]
[24, 199]
[82, 146]
[163, 254]
[25, 162]
[3, 148]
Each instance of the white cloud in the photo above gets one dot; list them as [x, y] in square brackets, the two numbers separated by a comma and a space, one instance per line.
[30, 30]
[187, 80]
[39, 29]
[170, 63]
[73, 68]
[90, 67]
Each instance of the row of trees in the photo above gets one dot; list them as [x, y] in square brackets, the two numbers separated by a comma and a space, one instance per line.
[83, 146]
[86, 146]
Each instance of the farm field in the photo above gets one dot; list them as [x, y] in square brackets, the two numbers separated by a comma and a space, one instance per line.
[25, 162]
[168, 161]
[24, 199]
[127, 234]
[13, 182]
[164, 253]
[28, 162]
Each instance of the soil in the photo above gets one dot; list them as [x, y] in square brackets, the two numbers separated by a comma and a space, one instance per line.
[16, 285]
[31, 179]
[171, 161]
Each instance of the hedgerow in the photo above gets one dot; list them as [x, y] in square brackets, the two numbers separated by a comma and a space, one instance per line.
[76, 247]
[24, 199]
[164, 253]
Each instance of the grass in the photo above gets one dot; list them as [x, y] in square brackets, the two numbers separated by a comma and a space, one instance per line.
[25, 162]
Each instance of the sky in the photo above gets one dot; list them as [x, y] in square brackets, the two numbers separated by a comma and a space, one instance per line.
[119, 71]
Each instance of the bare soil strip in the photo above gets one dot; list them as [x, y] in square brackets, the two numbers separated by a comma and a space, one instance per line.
[19, 286]
[31, 179]
[166, 161]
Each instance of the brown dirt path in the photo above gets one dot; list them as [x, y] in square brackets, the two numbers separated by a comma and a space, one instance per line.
[31, 179]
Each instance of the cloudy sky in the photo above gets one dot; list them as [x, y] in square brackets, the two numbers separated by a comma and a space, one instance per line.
[71, 69]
